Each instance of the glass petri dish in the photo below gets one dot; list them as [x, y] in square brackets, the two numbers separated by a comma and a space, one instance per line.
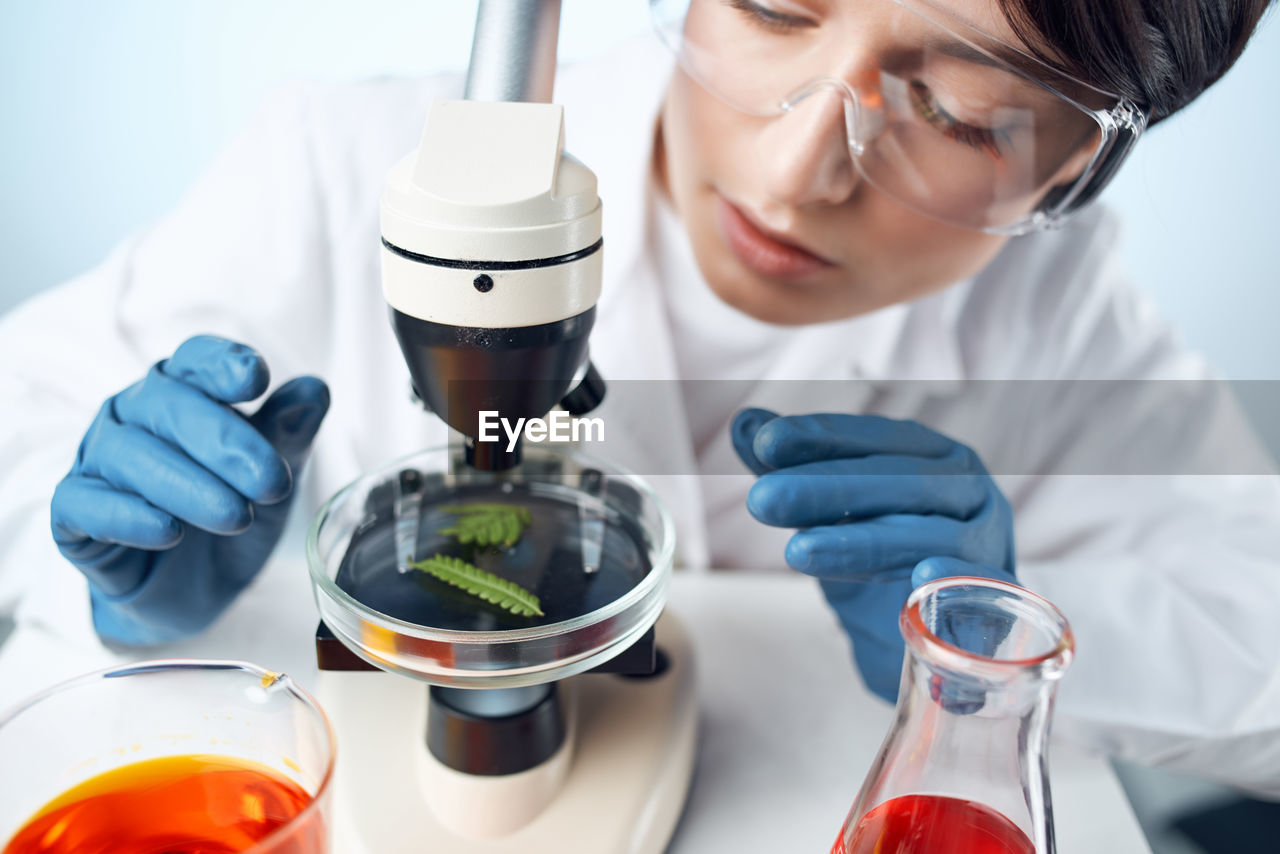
[162, 710]
[597, 553]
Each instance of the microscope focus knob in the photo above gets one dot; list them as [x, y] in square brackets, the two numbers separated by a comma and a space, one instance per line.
[586, 395]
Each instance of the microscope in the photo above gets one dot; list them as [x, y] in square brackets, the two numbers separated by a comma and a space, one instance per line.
[459, 729]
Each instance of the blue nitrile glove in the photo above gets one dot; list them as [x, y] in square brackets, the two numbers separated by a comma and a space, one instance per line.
[890, 502]
[175, 499]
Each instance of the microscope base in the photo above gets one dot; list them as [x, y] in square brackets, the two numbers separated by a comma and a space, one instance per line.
[630, 751]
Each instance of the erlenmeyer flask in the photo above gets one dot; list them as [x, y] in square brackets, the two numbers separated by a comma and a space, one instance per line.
[964, 769]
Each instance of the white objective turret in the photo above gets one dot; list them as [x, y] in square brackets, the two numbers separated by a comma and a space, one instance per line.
[491, 264]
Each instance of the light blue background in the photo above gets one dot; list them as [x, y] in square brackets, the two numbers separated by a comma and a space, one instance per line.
[111, 109]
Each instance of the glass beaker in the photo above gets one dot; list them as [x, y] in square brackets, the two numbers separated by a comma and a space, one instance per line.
[242, 756]
[964, 767]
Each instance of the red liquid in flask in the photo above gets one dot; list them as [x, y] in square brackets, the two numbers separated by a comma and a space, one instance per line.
[175, 805]
[934, 824]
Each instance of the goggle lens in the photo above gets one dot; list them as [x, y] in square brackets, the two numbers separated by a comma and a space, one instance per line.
[948, 122]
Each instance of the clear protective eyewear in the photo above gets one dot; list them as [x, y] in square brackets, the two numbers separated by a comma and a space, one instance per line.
[938, 114]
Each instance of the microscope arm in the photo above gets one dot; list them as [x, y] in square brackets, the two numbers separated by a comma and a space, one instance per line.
[513, 51]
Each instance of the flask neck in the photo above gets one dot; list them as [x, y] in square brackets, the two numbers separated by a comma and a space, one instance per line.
[974, 707]
[977, 741]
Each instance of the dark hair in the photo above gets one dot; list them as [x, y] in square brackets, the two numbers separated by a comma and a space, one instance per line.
[1160, 54]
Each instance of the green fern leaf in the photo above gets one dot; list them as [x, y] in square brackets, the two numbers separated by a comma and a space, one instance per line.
[485, 585]
[487, 524]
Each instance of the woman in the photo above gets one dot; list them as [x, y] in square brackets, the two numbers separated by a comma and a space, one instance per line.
[830, 191]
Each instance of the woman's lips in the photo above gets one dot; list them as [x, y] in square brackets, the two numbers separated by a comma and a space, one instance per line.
[764, 253]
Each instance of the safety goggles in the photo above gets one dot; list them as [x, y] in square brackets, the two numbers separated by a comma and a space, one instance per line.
[938, 114]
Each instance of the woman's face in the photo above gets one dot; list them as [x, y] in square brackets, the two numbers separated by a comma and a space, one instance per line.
[782, 226]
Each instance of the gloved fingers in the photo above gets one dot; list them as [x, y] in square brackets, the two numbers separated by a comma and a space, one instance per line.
[792, 440]
[885, 548]
[214, 435]
[743, 433]
[290, 418]
[225, 370]
[88, 510]
[933, 568]
[880, 664]
[133, 460]
[868, 607]
[835, 491]
[869, 614]
[93, 523]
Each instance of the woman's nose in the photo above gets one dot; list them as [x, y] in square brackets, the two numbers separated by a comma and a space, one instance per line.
[805, 153]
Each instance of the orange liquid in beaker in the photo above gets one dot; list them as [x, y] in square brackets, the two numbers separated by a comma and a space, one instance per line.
[175, 805]
[934, 824]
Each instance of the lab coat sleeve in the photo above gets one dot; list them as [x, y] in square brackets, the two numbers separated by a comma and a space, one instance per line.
[1153, 522]
[243, 256]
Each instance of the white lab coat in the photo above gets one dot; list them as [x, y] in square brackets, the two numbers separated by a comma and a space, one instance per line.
[1172, 584]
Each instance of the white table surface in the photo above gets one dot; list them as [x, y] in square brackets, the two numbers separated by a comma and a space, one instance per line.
[786, 729]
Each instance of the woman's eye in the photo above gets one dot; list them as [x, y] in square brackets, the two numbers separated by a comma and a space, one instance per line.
[928, 108]
[771, 19]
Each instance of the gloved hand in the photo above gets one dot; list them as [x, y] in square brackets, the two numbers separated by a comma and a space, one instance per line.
[883, 507]
[175, 499]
